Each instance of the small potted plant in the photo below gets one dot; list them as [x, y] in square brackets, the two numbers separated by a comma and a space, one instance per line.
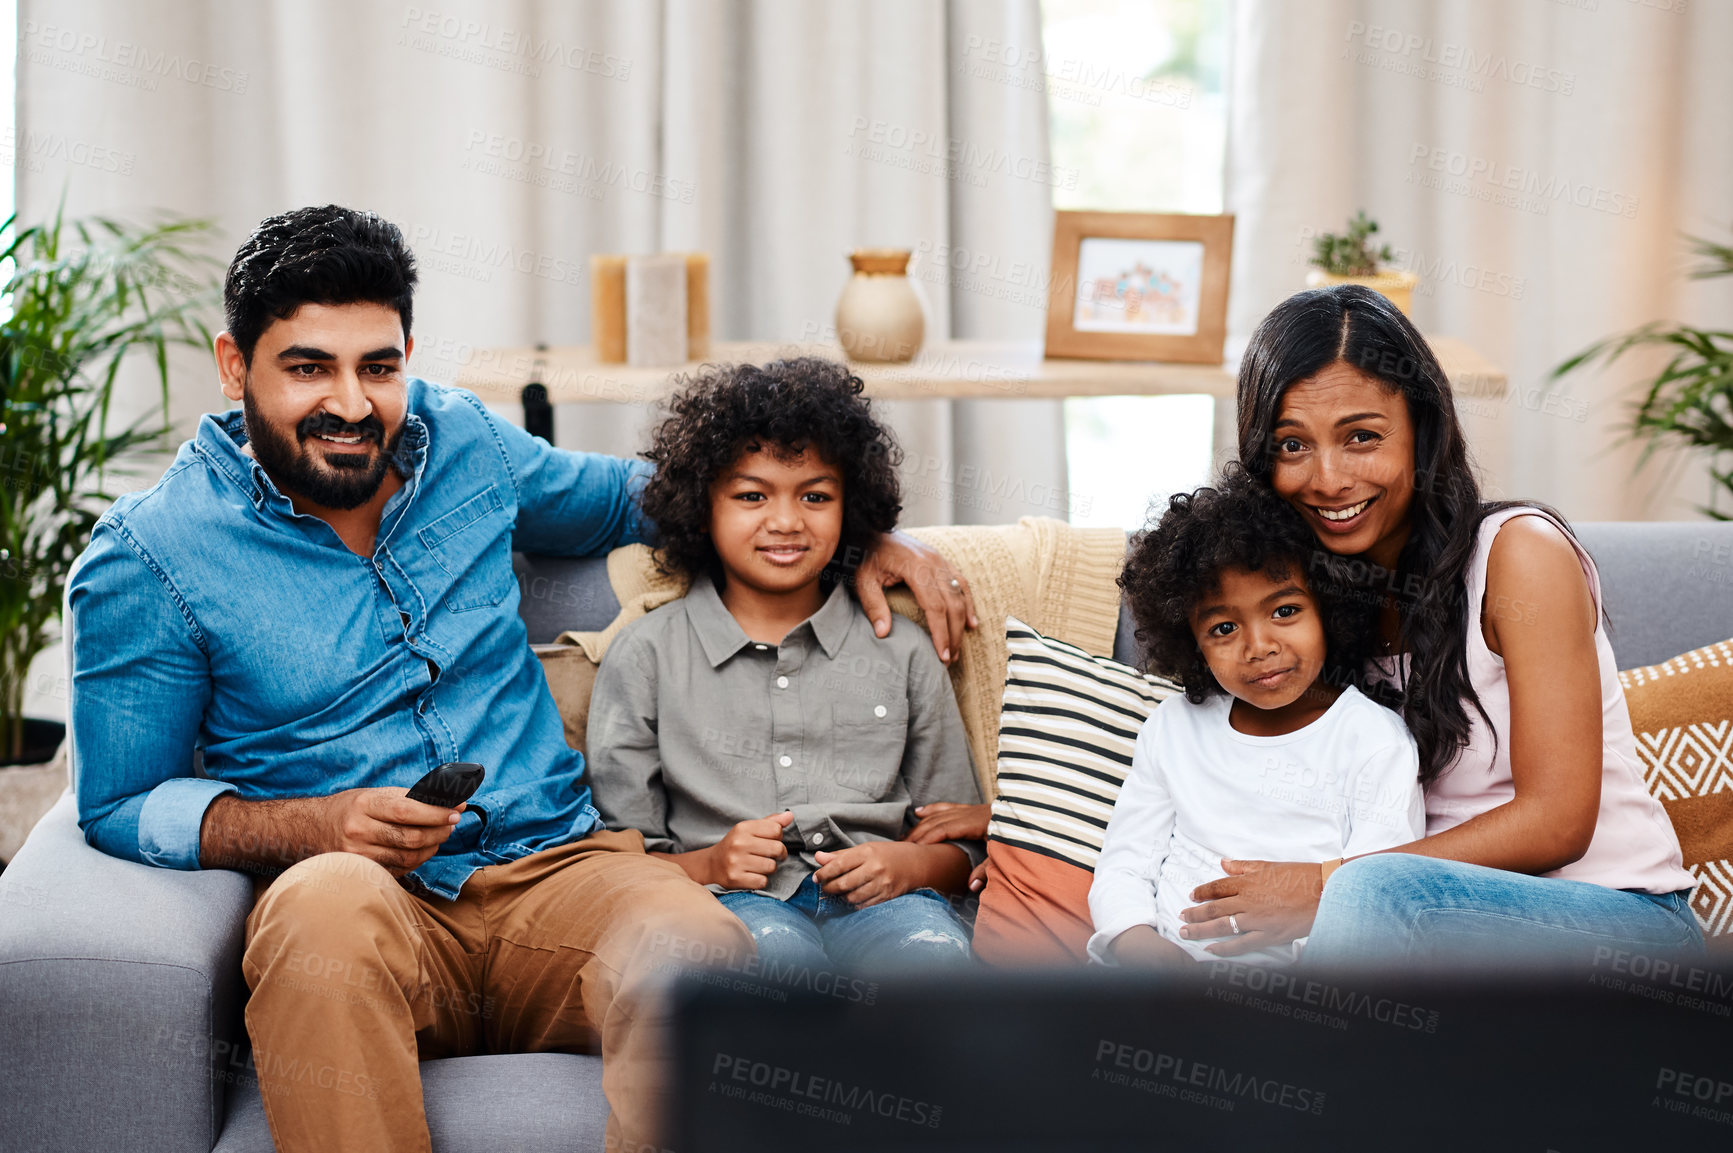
[1349, 258]
[1689, 403]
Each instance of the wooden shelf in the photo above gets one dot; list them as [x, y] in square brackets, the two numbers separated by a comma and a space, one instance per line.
[953, 370]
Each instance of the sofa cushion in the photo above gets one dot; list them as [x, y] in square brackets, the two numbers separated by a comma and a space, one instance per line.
[519, 1101]
[571, 676]
[1069, 725]
[1682, 712]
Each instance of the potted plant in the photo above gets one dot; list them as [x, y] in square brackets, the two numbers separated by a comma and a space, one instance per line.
[1690, 402]
[80, 300]
[1349, 258]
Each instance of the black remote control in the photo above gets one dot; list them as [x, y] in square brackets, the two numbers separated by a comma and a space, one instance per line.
[449, 785]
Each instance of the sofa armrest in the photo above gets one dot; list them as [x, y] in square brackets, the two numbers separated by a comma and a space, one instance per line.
[120, 996]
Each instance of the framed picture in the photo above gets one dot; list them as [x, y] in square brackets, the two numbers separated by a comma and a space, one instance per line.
[1139, 286]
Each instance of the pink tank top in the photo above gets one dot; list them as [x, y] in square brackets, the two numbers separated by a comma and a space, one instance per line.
[1634, 846]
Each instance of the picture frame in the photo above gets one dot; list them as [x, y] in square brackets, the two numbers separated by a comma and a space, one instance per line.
[1139, 286]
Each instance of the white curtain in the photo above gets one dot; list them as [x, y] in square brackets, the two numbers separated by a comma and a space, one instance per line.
[511, 139]
[1535, 163]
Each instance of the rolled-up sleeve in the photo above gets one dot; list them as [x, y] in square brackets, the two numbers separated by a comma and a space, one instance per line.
[571, 503]
[140, 684]
[936, 765]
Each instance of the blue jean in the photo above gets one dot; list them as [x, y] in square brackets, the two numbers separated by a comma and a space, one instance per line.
[812, 931]
[1397, 909]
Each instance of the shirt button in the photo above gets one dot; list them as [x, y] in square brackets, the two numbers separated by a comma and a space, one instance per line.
[785, 761]
[782, 682]
[760, 648]
[818, 838]
[878, 710]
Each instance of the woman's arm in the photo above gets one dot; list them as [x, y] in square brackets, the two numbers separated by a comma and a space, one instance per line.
[1538, 615]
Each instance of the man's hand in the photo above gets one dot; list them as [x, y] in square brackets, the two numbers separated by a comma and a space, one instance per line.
[1141, 947]
[939, 589]
[268, 836]
[744, 858]
[1274, 902]
[948, 821]
[880, 870]
[384, 825]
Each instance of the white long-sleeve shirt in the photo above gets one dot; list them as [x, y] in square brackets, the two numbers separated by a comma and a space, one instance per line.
[1199, 791]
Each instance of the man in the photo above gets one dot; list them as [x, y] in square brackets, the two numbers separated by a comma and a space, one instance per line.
[318, 595]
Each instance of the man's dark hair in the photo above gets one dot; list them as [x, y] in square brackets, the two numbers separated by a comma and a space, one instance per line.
[328, 255]
[1240, 523]
[783, 408]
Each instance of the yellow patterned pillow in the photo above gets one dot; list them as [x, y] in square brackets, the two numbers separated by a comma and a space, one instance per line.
[1682, 711]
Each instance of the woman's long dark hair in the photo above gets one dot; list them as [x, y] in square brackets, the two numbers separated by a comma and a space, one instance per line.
[1355, 325]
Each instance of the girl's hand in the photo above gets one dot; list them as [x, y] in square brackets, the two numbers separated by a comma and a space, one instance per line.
[948, 821]
[1141, 947]
[1273, 902]
[978, 877]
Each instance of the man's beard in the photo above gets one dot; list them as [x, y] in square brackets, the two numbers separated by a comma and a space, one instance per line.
[339, 480]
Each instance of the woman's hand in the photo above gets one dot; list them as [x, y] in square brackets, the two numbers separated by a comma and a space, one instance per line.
[949, 821]
[1273, 902]
[939, 589]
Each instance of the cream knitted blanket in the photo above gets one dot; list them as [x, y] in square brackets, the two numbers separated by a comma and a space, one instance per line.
[1056, 578]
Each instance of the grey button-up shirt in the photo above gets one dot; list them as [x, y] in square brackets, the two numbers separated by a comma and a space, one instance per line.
[694, 728]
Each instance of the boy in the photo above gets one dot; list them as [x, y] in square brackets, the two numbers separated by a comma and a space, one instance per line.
[756, 731]
[1272, 753]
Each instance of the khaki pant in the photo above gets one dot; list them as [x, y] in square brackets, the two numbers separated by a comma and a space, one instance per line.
[355, 980]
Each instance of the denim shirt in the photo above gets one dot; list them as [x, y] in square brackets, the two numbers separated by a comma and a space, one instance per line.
[208, 613]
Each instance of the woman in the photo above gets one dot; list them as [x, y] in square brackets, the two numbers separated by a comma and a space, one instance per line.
[1542, 842]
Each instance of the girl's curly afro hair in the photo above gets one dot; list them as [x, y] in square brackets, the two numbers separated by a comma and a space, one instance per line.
[783, 407]
[1240, 523]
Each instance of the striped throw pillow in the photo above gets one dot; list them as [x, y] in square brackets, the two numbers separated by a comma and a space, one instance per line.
[1066, 734]
[1069, 725]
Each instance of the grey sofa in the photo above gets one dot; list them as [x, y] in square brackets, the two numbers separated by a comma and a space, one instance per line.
[120, 985]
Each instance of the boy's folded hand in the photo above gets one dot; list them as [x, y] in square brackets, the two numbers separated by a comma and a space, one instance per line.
[748, 853]
[880, 870]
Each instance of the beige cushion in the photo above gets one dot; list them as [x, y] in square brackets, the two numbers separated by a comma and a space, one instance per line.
[1682, 712]
[571, 675]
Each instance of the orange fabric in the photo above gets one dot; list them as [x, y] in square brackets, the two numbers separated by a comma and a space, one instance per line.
[355, 979]
[1034, 909]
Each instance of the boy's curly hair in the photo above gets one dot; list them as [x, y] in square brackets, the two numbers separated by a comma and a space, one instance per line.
[1240, 523]
[783, 407]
